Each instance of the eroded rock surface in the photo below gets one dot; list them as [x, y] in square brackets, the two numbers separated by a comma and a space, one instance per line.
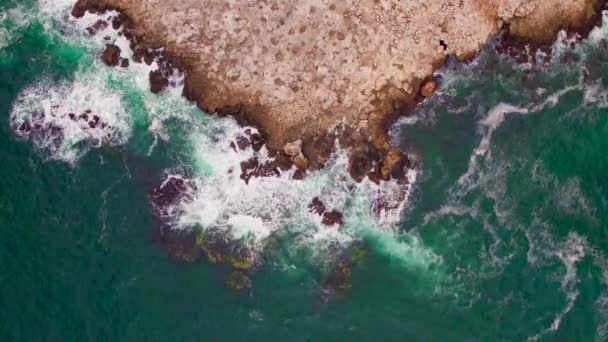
[296, 67]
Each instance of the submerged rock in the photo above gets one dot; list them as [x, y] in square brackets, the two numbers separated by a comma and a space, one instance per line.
[180, 244]
[219, 250]
[238, 281]
[253, 168]
[340, 277]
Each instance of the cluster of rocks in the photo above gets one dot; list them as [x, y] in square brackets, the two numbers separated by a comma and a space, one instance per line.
[36, 127]
[192, 244]
[339, 279]
[111, 56]
[329, 217]
[49, 134]
[160, 79]
[524, 50]
[273, 167]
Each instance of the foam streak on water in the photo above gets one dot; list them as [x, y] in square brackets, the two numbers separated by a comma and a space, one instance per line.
[492, 121]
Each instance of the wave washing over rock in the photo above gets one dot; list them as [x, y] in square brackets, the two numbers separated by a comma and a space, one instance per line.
[234, 198]
[326, 193]
[237, 196]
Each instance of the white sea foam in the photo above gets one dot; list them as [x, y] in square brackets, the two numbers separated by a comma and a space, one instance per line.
[94, 88]
[220, 200]
[223, 201]
[492, 121]
[569, 253]
[61, 117]
[596, 94]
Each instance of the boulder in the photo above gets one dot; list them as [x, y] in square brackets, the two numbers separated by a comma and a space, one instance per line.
[158, 82]
[429, 88]
[316, 206]
[300, 162]
[238, 281]
[111, 55]
[333, 217]
[293, 149]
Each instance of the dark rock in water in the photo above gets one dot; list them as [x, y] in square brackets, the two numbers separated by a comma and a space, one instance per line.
[111, 55]
[253, 168]
[332, 218]
[79, 10]
[316, 206]
[158, 82]
[282, 161]
[359, 165]
[72, 116]
[143, 55]
[180, 244]
[365, 160]
[119, 21]
[165, 67]
[318, 150]
[218, 250]
[257, 141]
[299, 175]
[238, 281]
[25, 127]
[169, 193]
[248, 168]
[398, 171]
[124, 62]
[242, 142]
[98, 26]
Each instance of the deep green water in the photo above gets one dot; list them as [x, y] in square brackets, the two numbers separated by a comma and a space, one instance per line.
[509, 245]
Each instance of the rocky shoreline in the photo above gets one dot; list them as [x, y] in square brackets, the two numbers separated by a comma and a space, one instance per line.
[288, 113]
[291, 143]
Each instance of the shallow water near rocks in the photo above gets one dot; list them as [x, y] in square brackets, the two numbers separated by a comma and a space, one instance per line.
[503, 237]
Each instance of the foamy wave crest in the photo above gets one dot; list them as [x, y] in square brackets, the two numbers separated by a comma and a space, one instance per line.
[69, 118]
[222, 197]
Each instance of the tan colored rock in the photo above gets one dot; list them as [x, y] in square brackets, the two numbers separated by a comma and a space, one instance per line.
[293, 149]
[300, 162]
[296, 68]
[428, 89]
[393, 159]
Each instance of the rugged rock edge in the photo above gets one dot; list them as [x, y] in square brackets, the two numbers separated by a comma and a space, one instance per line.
[368, 139]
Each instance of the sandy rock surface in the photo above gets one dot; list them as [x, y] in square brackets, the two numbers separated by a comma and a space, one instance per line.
[294, 68]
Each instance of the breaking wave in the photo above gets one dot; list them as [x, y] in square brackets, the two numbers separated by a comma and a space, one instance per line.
[103, 106]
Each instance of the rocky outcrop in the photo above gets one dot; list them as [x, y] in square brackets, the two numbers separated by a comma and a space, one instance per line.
[111, 55]
[295, 68]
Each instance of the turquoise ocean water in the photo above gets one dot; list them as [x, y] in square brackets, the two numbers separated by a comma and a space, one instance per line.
[504, 236]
